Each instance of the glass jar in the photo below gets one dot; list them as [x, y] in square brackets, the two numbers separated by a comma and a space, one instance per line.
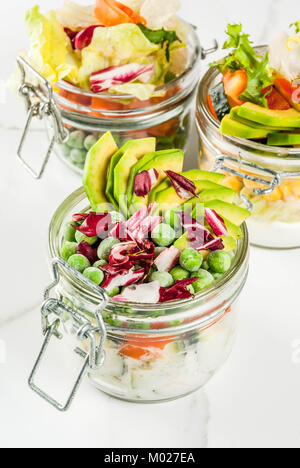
[83, 117]
[267, 176]
[137, 352]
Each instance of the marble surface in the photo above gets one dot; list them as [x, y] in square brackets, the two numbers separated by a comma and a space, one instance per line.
[252, 402]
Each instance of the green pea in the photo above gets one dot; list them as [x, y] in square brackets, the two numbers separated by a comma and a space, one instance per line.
[105, 247]
[163, 235]
[94, 274]
[68, 249]
[99, 263]
[76, 139]
[165, 279]
[205, 265]
[65, 150]
[83, 238]
[116, 217]
[178, 273]
[191, 260]
[79, 262]
[219, 261]
[114, 292]
[217, 276]
[172, 218]
[89, 142]
[78, 156]
[205, 279]
[69, 232]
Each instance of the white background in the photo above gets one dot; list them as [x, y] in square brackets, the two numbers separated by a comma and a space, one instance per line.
[252, 402]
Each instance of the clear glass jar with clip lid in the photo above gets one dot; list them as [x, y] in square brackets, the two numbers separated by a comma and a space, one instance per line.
[138, 352]
[78, 118]
[267, 176]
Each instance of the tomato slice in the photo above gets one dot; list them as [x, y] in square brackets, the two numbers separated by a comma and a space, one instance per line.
[234, 85]
[275, 100]
[113, 13]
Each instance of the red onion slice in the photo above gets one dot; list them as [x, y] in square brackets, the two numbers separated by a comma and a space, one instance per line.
[84, 37]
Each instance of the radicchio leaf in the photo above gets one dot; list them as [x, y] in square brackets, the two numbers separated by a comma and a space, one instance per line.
[147, 293]
[122, 279]
[216, 244]
[87, 251]
[84, 37]
[133, 223]
[144, 182]
[184, 187]
[177, 291]
[197, 233]
[167, 259]
[119, 253]
[113, 76]
[216, 222]
[95, 225]
[77, 218]
[146, 226]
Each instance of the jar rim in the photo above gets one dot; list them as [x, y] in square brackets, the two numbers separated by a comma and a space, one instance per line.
[239, 267]
[286, 155]
[196, 57]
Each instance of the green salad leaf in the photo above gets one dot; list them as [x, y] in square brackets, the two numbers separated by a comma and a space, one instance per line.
[162, 37]
[244, 57]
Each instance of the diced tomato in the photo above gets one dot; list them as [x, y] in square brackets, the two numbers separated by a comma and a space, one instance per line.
[113, 13]
[234, 85]
[211, 107]
[275, 100]
[290, 92]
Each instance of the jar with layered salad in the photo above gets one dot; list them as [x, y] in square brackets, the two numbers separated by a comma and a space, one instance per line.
[133, 351]
[134, 79]
[266, 177]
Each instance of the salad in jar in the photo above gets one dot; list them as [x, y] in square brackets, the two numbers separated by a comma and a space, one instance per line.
[252, 98]
[157, 239]
[130, 68]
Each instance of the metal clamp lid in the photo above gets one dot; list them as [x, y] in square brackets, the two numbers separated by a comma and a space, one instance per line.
[81, 327]
[211, 50]
[39, 103]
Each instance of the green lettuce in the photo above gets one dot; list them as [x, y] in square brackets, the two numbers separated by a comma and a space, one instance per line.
[244, 57]
[113, 46]
[51, 52]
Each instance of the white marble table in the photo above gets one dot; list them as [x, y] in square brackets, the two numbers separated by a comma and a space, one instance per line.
[252, 402]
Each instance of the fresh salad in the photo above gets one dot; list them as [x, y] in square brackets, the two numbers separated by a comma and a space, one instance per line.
[259, 95]
[127, 48]
[154, 233]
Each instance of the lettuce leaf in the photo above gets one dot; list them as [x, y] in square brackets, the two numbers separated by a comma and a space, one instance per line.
[51, 52]
[113, 46]
[141, 91]
[244, 57]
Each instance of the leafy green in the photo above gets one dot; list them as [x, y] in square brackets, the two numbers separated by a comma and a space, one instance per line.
[244, 57]
[160, 36]
[296, 25]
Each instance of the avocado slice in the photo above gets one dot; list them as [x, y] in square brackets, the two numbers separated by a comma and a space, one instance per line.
[233, 213]
[168, 198]
[95, 170]
[132, 155]
[183, 243]
[194, 174]
[234, 115]
[284, 139]
[110, 178]
[237, 129]
[214, 194]
[161, 161]
[274, 118]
